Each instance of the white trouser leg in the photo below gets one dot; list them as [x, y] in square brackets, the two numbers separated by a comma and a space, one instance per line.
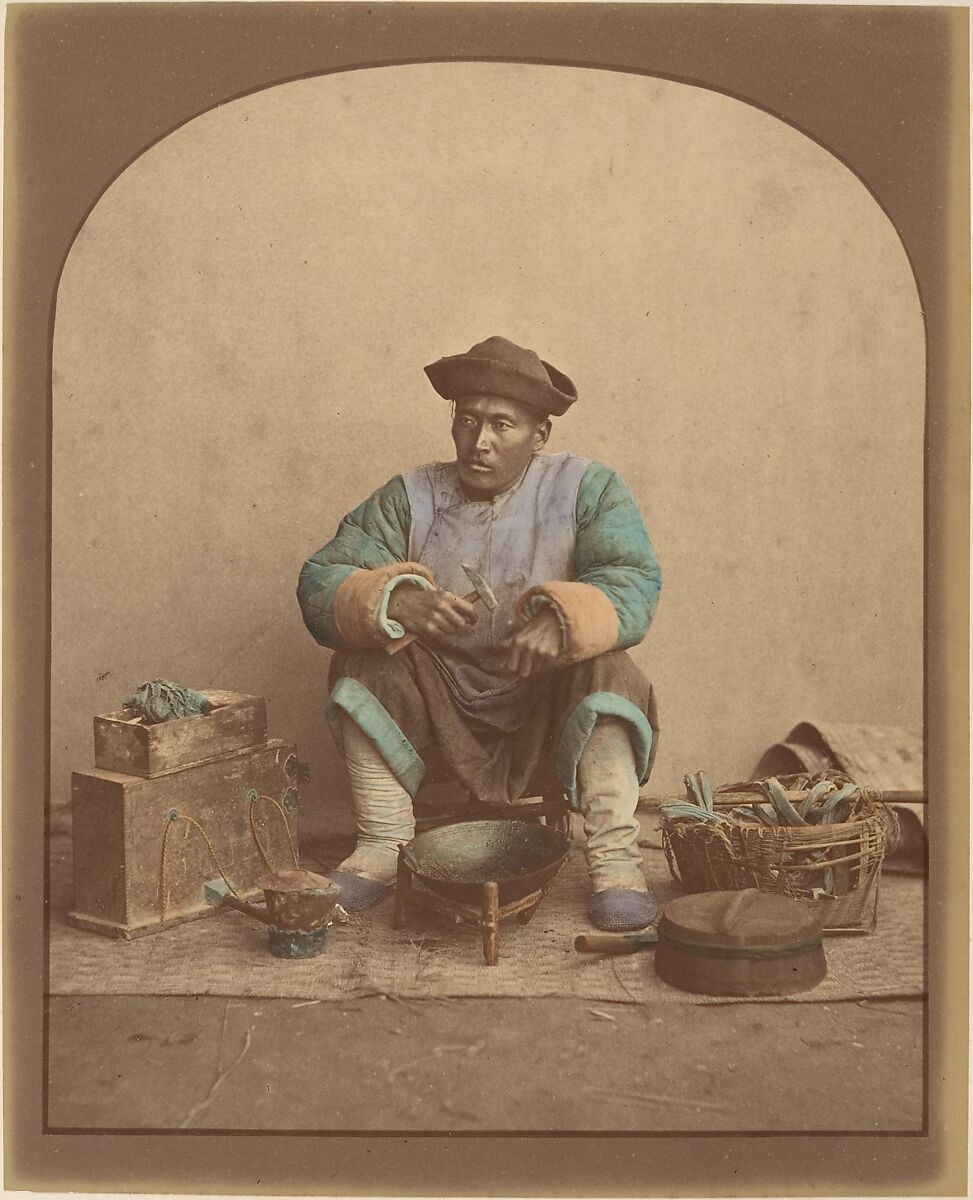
[383, 808]
[608, 792]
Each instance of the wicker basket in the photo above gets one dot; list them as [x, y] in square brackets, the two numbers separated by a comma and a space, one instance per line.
[730, 856]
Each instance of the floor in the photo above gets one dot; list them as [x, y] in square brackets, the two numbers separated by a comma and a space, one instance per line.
[153, 1062]
[502, 1065]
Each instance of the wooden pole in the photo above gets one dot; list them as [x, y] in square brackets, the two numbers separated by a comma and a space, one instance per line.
[491, 922]
[403, 890]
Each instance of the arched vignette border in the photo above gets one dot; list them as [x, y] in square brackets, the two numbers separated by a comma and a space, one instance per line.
[942, 308]
[515, 61]
[452, 60]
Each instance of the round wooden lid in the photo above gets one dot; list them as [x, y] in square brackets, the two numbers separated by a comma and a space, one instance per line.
[744, 920]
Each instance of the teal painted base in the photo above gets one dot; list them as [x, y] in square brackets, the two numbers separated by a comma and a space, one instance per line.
[296, 943]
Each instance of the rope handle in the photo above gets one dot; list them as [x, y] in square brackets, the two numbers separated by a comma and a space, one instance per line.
[173, 816]
[253, 796]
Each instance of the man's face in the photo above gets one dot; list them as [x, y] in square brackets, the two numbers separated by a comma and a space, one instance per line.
[494, 441]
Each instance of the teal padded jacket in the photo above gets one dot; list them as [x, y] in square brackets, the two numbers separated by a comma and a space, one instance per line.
[612, 553]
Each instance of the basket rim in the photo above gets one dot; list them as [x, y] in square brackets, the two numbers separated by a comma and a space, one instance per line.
[871, 813]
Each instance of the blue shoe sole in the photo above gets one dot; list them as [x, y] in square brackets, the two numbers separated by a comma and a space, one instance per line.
[620, 910]
[357, 892]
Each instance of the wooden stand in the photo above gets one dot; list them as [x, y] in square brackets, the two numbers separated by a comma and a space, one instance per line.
[487, 917]
[120, 823]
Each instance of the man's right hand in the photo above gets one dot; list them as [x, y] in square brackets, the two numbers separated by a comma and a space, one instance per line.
[431, 614]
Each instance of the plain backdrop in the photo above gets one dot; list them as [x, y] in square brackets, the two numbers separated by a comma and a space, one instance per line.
[240, 333]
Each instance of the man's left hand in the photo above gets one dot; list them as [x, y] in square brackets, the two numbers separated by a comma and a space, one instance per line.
[536, 647]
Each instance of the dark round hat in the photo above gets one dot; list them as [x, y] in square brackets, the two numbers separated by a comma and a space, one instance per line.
[498, 367]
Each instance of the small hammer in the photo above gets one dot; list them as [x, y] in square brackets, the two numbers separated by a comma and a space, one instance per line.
[482, 591]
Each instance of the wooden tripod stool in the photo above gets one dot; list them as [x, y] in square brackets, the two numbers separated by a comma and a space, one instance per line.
[487, 916]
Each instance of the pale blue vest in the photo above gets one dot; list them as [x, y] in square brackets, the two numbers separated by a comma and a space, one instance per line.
[520, 539]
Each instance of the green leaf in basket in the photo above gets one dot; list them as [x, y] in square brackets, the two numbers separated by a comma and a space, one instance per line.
[786, 812]
[746, 812]
[679, 808]
[694, 792]
[814, 796]
[765, 813]
[827, 813]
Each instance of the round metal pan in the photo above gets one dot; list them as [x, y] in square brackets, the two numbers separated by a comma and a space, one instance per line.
[456, 860]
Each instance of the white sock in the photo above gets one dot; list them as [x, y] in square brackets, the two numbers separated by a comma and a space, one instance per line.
[383, 808]
[608, 792]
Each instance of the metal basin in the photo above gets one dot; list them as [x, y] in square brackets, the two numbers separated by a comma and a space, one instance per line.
[456, 860]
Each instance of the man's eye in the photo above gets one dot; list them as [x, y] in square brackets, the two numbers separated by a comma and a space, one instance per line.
[502, 426]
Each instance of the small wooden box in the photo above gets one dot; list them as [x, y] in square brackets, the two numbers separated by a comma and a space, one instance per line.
[120, 821]
[125, 743]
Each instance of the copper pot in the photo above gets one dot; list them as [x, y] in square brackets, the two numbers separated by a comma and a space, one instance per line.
[297, 907]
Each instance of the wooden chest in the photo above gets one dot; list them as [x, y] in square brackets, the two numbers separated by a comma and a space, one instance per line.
[124, 742]
[203, 817]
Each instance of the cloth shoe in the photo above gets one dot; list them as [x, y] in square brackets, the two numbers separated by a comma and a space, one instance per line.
[357, 892]
[619, 910]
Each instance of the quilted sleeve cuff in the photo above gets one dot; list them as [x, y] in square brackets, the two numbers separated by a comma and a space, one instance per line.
[589, 622]
[358, 602]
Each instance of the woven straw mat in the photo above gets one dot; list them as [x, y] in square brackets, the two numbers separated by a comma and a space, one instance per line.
[227, 955]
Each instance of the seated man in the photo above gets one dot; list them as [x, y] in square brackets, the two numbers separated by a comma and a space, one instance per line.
[540, 681]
